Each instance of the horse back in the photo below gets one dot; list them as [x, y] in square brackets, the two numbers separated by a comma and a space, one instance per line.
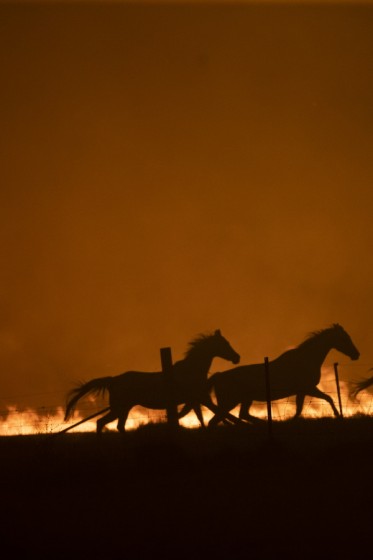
[237, 379]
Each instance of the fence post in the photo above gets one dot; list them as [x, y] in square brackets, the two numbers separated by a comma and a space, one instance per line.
[166, 361]
[268, 395]
[338, 389]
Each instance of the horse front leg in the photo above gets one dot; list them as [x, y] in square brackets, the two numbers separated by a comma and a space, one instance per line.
[315, 392]
[185, 410]
[197, 409]
[214, 421]
[207, 402]
[221, 414]
[299, 402]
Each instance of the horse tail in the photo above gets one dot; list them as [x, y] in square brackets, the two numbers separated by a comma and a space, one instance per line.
[96, 387]
[360, 386]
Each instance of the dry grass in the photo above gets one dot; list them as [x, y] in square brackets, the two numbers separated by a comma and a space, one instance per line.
[224, 493]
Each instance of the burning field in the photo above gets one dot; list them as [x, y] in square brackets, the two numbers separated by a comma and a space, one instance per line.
[48, 420]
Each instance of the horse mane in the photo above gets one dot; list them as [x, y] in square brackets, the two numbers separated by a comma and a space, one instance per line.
[317, 334]
[197, 342]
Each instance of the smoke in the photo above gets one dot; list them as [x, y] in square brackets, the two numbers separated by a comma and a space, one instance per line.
[170, 171]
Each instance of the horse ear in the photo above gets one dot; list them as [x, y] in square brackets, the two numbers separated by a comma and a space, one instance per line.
[217, 332]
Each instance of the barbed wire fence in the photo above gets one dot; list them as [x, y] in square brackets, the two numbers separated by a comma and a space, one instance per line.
[44, 419]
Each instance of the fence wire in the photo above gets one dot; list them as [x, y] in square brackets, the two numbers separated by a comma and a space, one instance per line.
[16, 420]
[48, 419]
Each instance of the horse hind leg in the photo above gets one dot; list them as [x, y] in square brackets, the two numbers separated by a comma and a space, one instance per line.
[101, 422]
[198, 411]
[122, 418]
[219, 416]
[244, 411]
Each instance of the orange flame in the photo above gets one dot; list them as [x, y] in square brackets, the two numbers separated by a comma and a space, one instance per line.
[29, 421]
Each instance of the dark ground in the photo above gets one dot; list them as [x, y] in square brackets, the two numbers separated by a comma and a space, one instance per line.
[228, 493]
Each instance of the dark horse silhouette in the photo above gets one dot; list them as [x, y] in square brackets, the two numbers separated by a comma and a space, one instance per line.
[149, 389]
[360, 386]
[295, 372]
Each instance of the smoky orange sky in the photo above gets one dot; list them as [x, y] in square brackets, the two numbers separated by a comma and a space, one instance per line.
[167, 170]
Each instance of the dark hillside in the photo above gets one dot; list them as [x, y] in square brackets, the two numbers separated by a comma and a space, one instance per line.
[226, 493]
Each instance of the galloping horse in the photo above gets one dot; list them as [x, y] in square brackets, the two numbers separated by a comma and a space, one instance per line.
[295, 372]
[149, 389]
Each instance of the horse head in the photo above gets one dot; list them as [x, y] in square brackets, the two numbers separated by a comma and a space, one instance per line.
[343, 342]
[223, 349]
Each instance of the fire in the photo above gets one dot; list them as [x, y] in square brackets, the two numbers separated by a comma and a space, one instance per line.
[29, 421]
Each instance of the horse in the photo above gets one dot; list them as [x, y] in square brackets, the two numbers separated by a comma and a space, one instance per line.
[360, 386]
[150, 390]
[295, 372]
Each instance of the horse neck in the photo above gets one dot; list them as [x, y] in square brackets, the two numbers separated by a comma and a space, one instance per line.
[318, 348]
[199, 361]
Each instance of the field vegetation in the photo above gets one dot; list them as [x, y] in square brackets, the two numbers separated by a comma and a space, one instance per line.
[229, 492]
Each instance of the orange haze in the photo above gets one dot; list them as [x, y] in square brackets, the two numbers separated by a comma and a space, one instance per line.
[169, 170]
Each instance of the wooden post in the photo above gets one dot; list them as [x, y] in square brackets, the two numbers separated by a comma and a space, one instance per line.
[268, 395]
[166, 360]
[338, 389]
